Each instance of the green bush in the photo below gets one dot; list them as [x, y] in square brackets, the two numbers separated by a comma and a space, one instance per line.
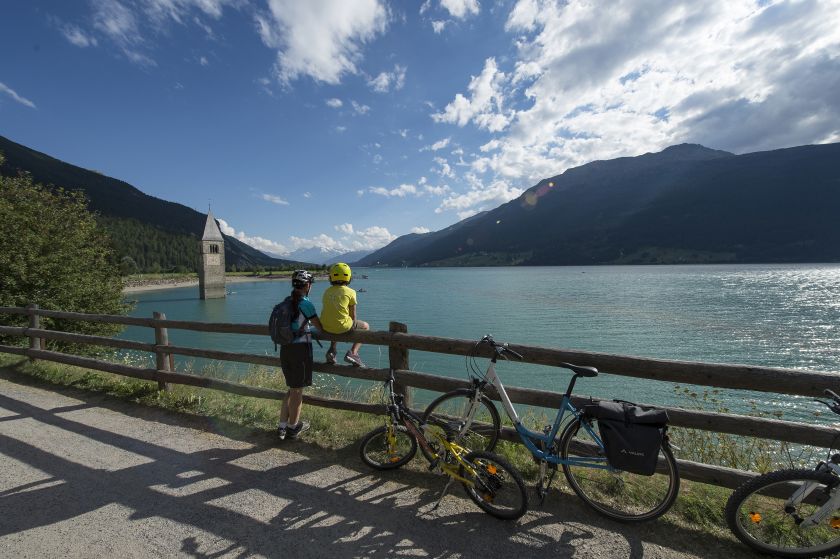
[53, 254]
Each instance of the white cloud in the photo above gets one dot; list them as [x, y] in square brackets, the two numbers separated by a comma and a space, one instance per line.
[355, 239]
[359, 108]
[401, 191]
[484, 107]
[425, 6]
[386, 80]
[480, 197]
[735, 75]
[322, 40]
[130, 25]
[340, 129]
[436, 190]
[274, 199]
[461, 9]
[420, 230]
[307, 195]
[440, 144]
[445, 169]
[203, 61]
[403, 132]
[334, 103]
[438, 26]
[11, 93]
[258, 243]
[77, 36]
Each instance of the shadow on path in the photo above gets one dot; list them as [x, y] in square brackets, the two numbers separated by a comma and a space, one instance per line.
[212, 496]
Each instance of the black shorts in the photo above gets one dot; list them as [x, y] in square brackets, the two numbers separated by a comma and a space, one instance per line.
[296, 360]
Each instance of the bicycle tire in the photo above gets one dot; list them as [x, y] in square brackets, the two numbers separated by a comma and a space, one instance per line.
[500, 490]
[453, 406]
[616, 494]
[375, 452]
[755, 513]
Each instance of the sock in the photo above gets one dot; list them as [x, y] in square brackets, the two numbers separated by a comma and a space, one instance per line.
[282, 425]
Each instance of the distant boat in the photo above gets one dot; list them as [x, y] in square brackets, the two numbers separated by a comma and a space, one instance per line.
[362, 290]
[364, 277]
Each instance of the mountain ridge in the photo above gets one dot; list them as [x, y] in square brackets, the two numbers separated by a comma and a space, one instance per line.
[620, 211]
[120, 204]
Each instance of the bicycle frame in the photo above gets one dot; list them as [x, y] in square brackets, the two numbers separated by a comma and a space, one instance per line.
[824, 511]
[400, 414]
[533, 439]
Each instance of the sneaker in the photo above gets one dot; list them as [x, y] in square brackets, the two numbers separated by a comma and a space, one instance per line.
[354, 359]
[331, 356]
[294, 432]
[281, 432]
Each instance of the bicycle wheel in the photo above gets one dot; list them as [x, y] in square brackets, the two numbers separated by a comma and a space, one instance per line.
[620, 495]
[449, 411]
[758, 514]
[387, 447]
[497, 487]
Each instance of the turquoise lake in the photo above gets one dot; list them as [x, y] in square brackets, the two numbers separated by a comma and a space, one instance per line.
[767, 315]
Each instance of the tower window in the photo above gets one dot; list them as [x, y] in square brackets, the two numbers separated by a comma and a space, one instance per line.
[214, 249]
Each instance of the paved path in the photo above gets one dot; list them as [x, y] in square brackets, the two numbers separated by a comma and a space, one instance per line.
[85, 475]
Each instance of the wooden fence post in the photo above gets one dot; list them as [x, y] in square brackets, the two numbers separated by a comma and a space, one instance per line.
[34, 323]
[161, 339]
[398, 359]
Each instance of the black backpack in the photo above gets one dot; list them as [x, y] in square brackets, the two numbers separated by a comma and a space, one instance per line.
[280, 322]
[632, 434]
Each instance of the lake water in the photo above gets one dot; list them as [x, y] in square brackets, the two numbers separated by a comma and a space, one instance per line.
[767, 315]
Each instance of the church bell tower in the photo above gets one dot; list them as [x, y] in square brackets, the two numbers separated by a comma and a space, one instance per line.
[211, 271]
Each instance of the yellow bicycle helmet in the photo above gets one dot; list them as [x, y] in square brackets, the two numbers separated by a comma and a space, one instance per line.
[340, 272]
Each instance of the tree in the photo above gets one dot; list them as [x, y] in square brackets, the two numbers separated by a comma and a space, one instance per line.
[53, 254]
[128, 266]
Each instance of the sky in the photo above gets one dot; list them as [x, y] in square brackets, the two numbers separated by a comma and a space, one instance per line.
[346, 123]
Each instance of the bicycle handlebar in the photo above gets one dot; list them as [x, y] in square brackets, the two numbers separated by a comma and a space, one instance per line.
[833, 406]
[501, 348]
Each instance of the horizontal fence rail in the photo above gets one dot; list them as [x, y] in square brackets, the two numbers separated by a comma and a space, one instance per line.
[399, 342]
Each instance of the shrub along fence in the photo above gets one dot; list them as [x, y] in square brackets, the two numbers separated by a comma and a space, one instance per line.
[399, 342]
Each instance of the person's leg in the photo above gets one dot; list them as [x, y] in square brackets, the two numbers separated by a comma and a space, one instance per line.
[331, 353]
[292, 404]
[360, 325]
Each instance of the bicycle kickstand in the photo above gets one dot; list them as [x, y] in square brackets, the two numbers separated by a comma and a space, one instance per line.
[442, 494]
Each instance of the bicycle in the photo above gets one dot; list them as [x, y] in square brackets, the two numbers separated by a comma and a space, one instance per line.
[617, 494]
[791, 513]
[489, 480]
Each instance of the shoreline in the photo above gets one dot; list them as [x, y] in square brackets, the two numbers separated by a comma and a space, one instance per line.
[162, 284]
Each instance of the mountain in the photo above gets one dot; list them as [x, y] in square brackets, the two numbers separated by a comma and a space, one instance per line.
[686, 203]
[315, 255]
[352, 257]
[322, 255]
[155, 233]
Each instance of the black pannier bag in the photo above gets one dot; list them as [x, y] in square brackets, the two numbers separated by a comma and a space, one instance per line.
[632, 434]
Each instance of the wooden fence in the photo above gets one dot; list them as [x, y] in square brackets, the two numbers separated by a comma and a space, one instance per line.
[399, 342]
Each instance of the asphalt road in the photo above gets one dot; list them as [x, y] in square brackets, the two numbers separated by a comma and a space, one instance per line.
[85, 475]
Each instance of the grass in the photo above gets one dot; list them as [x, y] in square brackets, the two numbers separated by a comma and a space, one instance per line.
[699, 506]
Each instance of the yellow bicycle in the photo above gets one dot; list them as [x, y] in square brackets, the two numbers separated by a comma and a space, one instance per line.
[489, 480]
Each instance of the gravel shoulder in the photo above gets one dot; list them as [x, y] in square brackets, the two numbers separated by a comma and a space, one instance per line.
[85, 475]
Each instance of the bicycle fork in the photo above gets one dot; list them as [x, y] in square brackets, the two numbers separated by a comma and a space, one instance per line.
[824, 511]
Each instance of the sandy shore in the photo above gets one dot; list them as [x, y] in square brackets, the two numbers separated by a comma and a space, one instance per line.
[155, 285]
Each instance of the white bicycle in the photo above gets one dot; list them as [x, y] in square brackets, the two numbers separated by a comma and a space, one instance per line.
[791, 513]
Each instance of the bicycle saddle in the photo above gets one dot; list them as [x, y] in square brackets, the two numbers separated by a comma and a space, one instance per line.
[580, 369]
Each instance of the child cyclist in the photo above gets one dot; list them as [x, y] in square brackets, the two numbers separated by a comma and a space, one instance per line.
[296, 357]
[338, 314]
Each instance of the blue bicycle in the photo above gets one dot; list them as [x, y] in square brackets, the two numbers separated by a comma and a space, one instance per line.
[575, 444]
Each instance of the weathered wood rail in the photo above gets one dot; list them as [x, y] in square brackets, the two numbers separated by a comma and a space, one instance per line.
[399, 342]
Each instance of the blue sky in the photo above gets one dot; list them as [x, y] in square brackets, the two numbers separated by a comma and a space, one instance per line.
[346, 123]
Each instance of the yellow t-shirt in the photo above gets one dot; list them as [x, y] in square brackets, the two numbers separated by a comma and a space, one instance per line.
[335, 315]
